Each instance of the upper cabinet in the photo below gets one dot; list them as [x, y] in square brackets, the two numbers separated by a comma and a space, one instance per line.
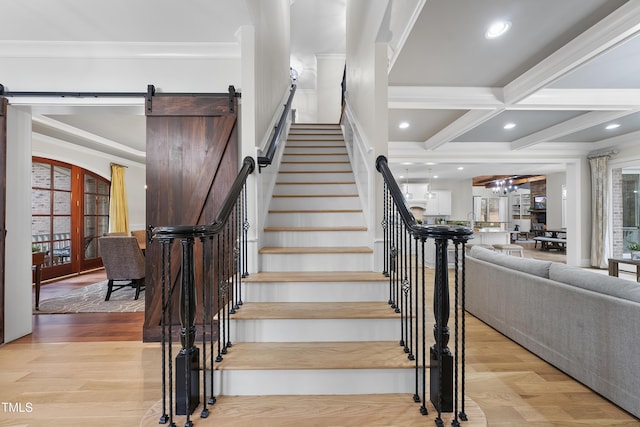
[438, 203]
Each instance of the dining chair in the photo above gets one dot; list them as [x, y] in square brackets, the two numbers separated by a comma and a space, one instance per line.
[123, 261]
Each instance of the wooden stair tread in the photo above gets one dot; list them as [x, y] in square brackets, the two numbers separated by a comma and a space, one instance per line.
[315, 310]
[314, 154]
[314, 146]
[316, 250]
[316, 183]
[315, 355]
[301, 229]
[316, 276]
[279, 211]
[347, 171]
[289, 162]
[315, 195]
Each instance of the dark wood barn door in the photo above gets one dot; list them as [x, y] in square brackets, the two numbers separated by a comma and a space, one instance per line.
[192, 160]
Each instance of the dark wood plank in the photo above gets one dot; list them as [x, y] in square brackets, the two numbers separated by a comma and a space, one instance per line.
[192, 159]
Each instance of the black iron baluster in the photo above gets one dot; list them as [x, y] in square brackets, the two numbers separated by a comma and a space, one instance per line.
[423, 407]
[210, 283]
[188, 359]
[455, 421]
[205, 313]
[228, 268]
[220, 307]
[169, 312]
[164, 418]
[385, 226]
[245, 230]
[463, 414]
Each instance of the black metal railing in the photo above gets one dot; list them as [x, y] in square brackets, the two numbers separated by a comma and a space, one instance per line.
[210, 267]
[277, 132]
[408, 247]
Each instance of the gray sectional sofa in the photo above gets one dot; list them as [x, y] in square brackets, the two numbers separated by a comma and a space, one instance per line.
[585, 323]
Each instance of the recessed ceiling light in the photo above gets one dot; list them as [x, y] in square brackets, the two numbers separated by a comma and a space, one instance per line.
[403, 125]
[509, 126]
[612, 126]
[430, 163]
[435, 176]
[497, 29]
[406, 163]
[460, 168]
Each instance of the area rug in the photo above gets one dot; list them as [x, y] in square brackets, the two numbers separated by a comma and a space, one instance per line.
[90, 299]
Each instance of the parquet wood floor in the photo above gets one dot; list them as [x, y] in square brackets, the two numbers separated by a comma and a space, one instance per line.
[93, 370]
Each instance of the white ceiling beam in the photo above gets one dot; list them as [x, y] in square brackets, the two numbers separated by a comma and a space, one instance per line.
[621, 24]
[444, 98]
[465, 123]
[580, 99]
[575, 124]
[63, 127]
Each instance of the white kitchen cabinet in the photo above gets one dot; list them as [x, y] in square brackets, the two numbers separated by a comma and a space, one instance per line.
[438, 203]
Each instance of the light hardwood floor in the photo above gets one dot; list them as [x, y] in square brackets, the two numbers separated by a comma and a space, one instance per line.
[93, 370]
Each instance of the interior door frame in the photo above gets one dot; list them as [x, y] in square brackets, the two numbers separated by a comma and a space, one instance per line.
[3, 204]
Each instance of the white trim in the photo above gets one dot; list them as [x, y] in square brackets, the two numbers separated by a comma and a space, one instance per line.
[117, 50]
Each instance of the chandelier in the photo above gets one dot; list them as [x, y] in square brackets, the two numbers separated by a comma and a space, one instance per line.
[504, 186]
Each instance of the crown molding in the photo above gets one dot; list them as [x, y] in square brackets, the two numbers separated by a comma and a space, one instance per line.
[119, 50]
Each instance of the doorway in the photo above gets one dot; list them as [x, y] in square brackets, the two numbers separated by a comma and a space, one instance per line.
[70, 210]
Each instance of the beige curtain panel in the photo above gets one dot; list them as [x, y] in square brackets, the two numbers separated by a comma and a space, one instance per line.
[599, 218]
[118, 209]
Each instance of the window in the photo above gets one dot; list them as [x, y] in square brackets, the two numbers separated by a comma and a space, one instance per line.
[62, 227]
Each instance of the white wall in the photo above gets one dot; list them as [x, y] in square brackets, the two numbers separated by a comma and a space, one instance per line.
[17, 280]
[93, 74]
[330, 71]
[272, 52]
[554, 200]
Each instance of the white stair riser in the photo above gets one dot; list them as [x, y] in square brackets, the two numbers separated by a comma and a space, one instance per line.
[316, 330]
[307, 142]
[313, 382]
[315, 158]
[316, 177]
[317, 262]
[316, 238]
[315, 291]
[322, 166]
[315, 219]
[318, 188]
[328, 149]
[310, 134]
[297, 203]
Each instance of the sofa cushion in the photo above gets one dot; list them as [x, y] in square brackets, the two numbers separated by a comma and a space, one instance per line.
[526, 265]
[597, 282]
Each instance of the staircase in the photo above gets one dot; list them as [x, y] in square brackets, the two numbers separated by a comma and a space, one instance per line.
[315, 341]
[315, 320]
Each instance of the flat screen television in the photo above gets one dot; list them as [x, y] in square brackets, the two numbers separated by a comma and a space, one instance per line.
[540, 202]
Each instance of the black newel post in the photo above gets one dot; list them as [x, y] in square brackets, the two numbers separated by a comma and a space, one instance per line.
[188, 359]
[441, 370]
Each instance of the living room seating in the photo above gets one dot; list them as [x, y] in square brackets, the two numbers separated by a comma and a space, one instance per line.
[123, 262]
[583, 322]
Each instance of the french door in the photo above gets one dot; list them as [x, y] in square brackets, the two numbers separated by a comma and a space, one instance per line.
[69, 211]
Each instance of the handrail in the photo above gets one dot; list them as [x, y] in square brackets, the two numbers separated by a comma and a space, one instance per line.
[248, 166]
[273, 145]
[416, 229]
[405, 254]
[211, 263]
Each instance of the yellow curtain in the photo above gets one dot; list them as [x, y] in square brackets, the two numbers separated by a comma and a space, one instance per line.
[118, 210]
